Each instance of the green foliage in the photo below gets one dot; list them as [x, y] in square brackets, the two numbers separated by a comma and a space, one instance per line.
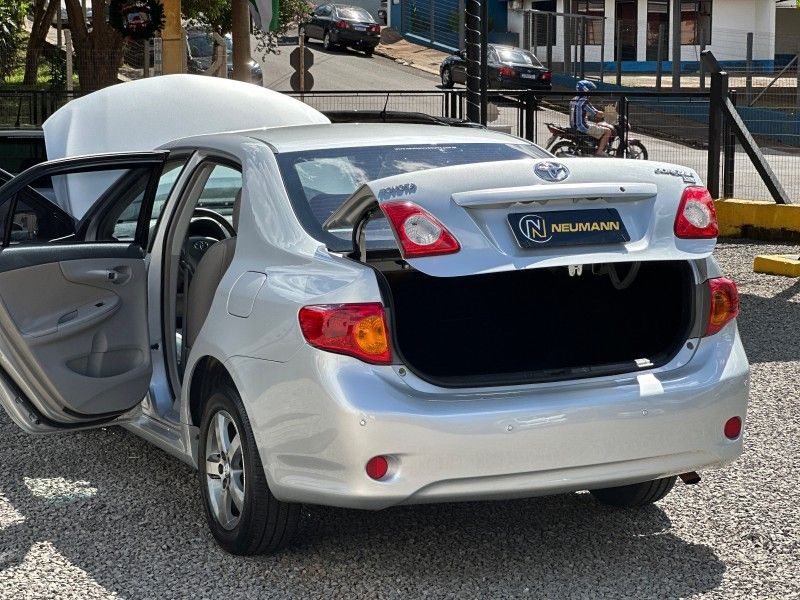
[212, 14]
[12, 15]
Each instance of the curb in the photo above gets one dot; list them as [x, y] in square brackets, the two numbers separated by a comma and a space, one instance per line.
[758, 220]
[787, 265]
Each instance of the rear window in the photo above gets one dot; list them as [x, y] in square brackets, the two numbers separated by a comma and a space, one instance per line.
[19, 153]
[355, 14]
[319, 181]
[516, 56]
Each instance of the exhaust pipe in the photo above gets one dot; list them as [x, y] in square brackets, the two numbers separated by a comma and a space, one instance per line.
[690, 478]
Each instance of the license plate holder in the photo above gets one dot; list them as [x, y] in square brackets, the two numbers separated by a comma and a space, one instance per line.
[568, 228]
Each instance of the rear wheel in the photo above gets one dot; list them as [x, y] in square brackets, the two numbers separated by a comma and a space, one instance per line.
[636, 495]
[369, 50]
[243, 515]
[327, 42]
[447, 78]
[636, 150]
[564, 149]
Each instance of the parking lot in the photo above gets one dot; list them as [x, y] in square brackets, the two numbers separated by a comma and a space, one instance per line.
[104, 515]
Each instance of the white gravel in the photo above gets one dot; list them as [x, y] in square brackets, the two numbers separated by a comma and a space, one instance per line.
[104, 515]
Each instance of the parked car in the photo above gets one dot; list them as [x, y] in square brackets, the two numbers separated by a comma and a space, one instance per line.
[509, 68]
[339, 25]
[390, 313]
[201, 55]
[65, 17]
[383, 13]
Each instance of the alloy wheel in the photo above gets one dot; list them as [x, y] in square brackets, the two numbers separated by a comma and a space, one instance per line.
[225, 470]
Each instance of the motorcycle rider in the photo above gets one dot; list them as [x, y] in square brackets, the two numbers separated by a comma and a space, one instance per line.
[581, 110]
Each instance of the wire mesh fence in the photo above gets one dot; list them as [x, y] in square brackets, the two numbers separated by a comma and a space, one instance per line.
[673, 128]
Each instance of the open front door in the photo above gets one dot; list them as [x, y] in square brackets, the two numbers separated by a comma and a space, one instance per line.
[74, 344]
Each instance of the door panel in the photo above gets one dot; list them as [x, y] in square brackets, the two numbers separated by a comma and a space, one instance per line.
[74, 343]
[74, 331]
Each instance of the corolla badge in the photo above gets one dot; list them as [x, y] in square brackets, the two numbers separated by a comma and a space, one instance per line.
[551, 171]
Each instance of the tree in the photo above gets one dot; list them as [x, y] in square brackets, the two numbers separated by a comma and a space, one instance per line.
[43, 13]
[217, 16]
[12, 15]
[99, 52]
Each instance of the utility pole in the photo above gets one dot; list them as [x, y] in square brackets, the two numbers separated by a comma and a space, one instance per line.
[473, 47]
[484, 60]
[173, 52]
[240, 31]
[676, 45]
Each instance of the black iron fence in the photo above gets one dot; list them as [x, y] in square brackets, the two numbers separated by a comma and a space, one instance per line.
[673, 127]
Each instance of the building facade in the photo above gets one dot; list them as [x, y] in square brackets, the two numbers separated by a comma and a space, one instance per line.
[718, 25]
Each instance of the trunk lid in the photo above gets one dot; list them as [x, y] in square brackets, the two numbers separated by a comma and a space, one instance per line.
[590, 211]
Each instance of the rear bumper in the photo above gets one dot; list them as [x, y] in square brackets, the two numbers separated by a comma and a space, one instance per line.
[316, 433]
[355, 38]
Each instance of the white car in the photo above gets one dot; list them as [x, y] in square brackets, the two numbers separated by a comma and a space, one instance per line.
[367, 315]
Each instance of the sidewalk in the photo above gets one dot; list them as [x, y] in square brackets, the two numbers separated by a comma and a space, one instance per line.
[394, 46]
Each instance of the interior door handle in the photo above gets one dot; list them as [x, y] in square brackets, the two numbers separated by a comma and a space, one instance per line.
[117, 275]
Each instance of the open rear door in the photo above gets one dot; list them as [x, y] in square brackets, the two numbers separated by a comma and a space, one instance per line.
[539, 213]
[74, 343]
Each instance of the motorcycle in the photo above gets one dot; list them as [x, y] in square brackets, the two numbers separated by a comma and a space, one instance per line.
[566, 142]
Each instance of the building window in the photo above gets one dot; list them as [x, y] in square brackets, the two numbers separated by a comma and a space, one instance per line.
[657, 22]
[695, 22]
[595, 10]
[544, 23]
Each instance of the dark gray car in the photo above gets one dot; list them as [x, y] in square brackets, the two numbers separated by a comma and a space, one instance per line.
[338, 25]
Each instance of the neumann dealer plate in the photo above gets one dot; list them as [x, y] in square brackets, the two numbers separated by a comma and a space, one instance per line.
[568, 228]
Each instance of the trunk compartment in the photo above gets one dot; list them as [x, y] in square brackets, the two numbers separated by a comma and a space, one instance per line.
[541, 324]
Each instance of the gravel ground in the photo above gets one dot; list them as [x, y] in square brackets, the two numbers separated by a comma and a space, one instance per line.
[104, 515]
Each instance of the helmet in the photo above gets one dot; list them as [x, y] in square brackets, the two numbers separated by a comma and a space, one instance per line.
[585, 86]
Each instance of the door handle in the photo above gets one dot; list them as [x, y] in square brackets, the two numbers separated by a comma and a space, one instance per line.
[117, 275]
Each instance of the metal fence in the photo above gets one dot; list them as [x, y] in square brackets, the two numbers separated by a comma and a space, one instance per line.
[672, 126]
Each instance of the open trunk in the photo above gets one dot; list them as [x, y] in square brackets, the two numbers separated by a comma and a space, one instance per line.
[540, 324]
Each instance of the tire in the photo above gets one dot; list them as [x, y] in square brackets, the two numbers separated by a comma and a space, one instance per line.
[327, 42]
[368, 51]
[636, 150]
[636, 495]
[263, 525]
[447, 78]
[564, 149]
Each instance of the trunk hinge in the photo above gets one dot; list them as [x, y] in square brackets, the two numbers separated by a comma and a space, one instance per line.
[360, 233]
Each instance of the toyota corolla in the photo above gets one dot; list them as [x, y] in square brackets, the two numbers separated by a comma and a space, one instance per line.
[364, 315]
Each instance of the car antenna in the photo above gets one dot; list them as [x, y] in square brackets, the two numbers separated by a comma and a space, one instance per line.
[385, 104]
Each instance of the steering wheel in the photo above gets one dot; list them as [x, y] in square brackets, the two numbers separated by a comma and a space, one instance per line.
[195, 246]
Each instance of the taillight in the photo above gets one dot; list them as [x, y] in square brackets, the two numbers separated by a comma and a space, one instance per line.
[724, 304]
[342, 24]
[418, 231]
[547, 76]
[357, 330]
[696, 218]
[507, 72]
[375, 28]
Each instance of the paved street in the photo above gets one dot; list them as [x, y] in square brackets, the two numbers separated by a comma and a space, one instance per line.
[103, 514]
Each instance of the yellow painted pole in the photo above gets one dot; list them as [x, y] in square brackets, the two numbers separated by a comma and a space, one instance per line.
[172, 38]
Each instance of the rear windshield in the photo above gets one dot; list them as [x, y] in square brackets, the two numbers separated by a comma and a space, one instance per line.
[355, 14]
[319, 181]
[19, 153]
[515, 56]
